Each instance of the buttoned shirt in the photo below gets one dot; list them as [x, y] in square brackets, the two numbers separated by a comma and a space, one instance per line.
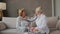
[41, 22]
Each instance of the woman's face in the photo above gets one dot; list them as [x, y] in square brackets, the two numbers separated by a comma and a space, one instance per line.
[23, 14]
[36, 12]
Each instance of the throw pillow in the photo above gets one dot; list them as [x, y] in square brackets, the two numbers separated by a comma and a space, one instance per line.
[2, 26]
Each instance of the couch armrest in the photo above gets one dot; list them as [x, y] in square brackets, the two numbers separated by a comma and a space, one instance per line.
[52, 29]
[58, 25]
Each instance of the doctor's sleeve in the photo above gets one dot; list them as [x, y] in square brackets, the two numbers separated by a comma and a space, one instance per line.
[32, 18]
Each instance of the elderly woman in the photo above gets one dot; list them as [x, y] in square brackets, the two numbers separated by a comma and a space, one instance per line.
[41, 22]
[21, 23]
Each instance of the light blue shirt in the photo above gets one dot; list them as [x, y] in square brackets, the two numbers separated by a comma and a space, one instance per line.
[21, 24]
[41, 22]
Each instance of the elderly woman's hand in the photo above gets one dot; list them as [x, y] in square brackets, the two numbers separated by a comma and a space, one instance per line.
[35, 29]
[31, 29]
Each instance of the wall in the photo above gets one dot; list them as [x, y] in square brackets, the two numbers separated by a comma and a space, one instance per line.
[57, 8]
[29, 5]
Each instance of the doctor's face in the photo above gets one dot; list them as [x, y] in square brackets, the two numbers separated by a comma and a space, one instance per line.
[23, 14]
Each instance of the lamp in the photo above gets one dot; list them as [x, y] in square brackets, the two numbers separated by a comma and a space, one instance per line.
[2, 7]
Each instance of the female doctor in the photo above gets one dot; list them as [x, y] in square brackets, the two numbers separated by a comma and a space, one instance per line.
[21, 24]
[40, 20]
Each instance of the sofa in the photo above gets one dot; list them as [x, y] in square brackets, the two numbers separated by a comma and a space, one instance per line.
[53, 24]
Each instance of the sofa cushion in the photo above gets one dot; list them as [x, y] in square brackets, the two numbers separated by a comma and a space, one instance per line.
[52, 21]
[58, 25]
[2, 26]
[55, 32]
[12, 31]
[52, 29]
[10, 22]
[9, 31]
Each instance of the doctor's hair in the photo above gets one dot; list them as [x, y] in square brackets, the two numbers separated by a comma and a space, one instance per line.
[20, 11]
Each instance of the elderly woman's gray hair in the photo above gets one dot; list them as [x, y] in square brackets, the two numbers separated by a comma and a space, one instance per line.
[38, 9]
